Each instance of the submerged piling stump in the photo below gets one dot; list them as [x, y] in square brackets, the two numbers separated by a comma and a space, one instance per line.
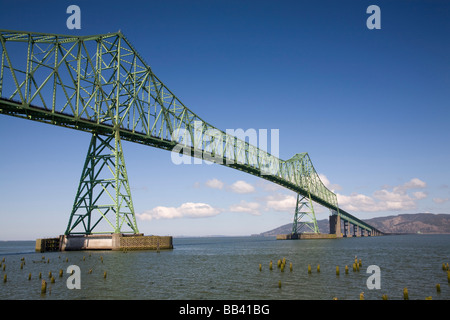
[405, 294]
[43, 286]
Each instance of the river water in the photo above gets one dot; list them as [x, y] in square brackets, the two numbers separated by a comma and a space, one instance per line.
[227, 268]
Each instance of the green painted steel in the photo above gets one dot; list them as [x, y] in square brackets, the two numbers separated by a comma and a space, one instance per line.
[104, 193]
[304, 207]
[100, 84]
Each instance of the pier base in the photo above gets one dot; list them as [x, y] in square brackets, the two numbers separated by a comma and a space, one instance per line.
[116, 241]
[301, 236]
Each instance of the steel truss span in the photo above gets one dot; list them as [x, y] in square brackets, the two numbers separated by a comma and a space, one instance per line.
[100, 84]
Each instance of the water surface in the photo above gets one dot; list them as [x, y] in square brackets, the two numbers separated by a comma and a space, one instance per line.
[228, 268]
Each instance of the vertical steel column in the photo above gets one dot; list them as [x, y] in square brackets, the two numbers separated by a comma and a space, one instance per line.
[103, 190]
[304, 207]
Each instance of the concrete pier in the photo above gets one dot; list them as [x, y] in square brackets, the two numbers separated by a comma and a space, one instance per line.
[116, 241]
[335, 231]
[302, 236]
[335, 225]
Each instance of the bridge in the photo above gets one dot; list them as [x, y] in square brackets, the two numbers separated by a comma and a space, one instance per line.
[101, 85]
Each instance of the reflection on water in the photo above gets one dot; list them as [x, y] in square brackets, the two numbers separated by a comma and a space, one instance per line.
[228, 268]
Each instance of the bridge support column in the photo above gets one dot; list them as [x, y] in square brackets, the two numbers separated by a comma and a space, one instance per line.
[345, 228]
[103, 197]
[335, 225]
[304, 207]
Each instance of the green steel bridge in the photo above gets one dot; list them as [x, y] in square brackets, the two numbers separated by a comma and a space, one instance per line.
[100, 84]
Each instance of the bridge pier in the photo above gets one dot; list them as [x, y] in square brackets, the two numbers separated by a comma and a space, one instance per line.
[345, 228]
[355, 230]
[335, 225]
[115, 241]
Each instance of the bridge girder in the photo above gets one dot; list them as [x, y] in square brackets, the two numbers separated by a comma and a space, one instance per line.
[102, 85]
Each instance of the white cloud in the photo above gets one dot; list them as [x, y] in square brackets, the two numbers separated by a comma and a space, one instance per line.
[357, 202]
[396, 199]
[214, 184]
[247, 207]
[241, 186]
[414, 183]
[268, 186]
[393, 200]
[186, 210]
[420, 195]
[327, 183]
[440, 200]
[281, 202]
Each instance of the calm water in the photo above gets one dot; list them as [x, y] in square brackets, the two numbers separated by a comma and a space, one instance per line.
[228, 268]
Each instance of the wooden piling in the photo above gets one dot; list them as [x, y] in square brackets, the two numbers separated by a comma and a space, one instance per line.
[405, 294]
[43, 286]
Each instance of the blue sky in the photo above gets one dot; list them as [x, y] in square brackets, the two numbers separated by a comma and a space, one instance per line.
[371, 107]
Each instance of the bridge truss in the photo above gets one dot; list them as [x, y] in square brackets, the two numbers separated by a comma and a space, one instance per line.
[100, 84]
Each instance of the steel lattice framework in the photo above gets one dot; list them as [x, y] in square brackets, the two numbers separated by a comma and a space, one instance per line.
[100, 84]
